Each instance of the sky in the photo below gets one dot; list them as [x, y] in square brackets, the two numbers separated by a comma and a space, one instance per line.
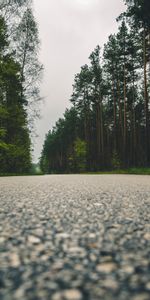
[69, 31]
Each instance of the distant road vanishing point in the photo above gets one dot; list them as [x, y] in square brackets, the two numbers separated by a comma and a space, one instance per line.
[75, 237]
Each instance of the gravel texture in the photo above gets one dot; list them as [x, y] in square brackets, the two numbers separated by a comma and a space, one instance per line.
[75, 237]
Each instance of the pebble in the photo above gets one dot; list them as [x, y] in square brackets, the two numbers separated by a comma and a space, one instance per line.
[2, 240]
[39, 232]
[110, 284]
[77, 251]
[128, 269]
[147, 236]
[72, 294]
[141, 297]
[62, 235]
[106, 267]
[33, 239]
[14, 260]
[19, 293]
[148, 285]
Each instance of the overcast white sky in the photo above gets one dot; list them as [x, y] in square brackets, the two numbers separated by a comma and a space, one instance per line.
[69, 31]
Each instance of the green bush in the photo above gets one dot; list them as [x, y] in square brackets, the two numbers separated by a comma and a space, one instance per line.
[116, 163]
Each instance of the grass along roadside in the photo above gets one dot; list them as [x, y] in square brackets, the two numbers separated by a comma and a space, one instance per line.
[132, 171]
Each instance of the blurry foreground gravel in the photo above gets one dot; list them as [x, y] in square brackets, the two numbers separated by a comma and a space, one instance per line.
[75, 237]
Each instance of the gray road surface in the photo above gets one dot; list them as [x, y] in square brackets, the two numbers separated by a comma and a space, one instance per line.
[75, 237]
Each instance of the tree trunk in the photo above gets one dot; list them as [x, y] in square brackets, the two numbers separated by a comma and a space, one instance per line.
[120, 117]
[102, 133]
[125, 118]
[146, 99]
[98, 134]
[114, 114]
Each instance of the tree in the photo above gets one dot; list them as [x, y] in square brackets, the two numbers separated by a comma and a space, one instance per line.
[14, 134]
[20, 73]
[27, 42]
[23, 39]
[97, 101]
[59, 143]
[138, 15]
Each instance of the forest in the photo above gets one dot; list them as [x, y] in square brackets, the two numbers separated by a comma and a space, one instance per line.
[20, 72]
[108, 124]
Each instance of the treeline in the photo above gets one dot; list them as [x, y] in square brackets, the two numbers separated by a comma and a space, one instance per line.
[19, 80]
[108, 125]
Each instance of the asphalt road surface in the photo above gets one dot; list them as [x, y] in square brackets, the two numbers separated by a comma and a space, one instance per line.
[75, 237]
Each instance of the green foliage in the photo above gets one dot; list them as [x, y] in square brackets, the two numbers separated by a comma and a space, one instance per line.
[59, 144]
[116, 163]
[78, 156]
[15, 144]
[35, 169]
[80, 153]
[13, 158]
[138, 12]
[2, 133]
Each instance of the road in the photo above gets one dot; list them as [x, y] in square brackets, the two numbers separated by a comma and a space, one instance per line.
[75, 237]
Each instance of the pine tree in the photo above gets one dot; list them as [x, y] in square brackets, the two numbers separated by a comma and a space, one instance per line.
[14, 134]
[138, 15]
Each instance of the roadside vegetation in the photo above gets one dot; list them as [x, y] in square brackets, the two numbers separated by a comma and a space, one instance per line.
[131, 171]
[20, 72]
[108, 125]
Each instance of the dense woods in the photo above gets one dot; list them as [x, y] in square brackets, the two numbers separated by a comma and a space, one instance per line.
[19, 79]
[108, 124]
